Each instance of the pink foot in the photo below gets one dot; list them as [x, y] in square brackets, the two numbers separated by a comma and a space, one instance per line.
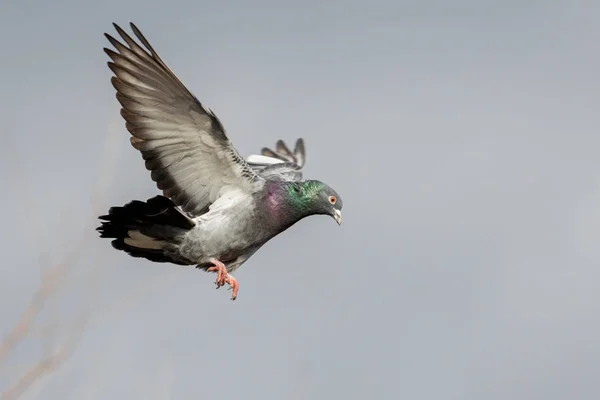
[233, 284]
[223, 277]
[221, 271]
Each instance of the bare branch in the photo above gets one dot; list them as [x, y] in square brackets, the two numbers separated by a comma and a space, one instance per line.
[51, 282]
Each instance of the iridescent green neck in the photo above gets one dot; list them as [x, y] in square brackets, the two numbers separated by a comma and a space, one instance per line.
[287, 202]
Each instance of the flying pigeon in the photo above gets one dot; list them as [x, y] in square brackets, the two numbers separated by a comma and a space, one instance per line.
[217, 208]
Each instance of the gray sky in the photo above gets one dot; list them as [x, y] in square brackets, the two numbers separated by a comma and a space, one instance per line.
[462, 136]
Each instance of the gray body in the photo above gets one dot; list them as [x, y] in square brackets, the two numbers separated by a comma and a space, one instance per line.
[222, 234]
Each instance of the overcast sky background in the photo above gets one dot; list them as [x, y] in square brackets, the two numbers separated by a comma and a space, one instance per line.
[462, 136]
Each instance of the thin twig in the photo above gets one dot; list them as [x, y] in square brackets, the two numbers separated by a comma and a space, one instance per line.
[50, 282]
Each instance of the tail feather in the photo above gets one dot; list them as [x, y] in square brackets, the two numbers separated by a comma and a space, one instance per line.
[147, 229]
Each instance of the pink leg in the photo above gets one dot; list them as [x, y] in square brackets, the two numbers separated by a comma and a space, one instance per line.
[223, 277]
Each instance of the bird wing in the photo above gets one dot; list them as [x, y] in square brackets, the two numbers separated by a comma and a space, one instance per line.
[184, 145]
[281, 164]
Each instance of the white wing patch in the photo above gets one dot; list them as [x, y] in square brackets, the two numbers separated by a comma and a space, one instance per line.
[262, 160]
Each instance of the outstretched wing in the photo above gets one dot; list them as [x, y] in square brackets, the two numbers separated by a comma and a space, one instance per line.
[183, 144]
[281, 164]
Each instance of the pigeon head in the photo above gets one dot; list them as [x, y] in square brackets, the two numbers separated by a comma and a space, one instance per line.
[315, 197]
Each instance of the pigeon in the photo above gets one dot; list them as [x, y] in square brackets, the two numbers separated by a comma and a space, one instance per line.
[216, 208]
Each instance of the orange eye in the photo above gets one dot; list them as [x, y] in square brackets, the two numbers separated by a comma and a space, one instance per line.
[332, 199]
